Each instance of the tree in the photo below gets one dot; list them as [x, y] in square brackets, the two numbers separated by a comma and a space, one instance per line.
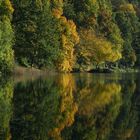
[129, 25]
[98, 16]
[37, 34]
[6, 37]
[94, 50]
[83, 13]
[69, 38]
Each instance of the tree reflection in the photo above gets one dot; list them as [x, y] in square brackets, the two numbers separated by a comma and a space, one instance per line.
[98, 107]
[43, 108]
[107, 110]
[127, 120]
[68, 107]
[76, 107]
[6, 95]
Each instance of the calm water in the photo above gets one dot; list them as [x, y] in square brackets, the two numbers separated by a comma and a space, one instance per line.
[70, 107]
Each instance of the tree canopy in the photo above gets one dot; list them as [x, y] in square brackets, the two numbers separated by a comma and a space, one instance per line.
[64, 35]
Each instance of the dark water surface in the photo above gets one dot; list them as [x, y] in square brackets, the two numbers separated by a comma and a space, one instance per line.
[70, 107]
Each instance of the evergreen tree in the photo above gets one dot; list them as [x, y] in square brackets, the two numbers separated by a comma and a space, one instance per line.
[129, 25]
[37, 34]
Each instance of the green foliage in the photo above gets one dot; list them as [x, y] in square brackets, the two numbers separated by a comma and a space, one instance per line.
[50, 108]
[6, 96]
[6, 37]
[84, 12]
[103, 113]
[47, 34]
[126, 124]
[69, 107]
[99, 17]
[129, 25]
[116, 21]
[37, 34]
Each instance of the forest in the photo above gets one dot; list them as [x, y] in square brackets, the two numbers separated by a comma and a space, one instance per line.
[70, 35]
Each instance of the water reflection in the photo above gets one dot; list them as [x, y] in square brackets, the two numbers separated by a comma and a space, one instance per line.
[71, 107]
[43, 108]
[6, 95]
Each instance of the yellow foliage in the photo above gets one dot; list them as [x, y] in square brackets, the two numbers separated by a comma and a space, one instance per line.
[127, 8]
[66, 81]
[94, 1]
[97, 49]
[68, 107]
[67, 61]
[96, 98]
[57, 10]
[57, 13]
[9, 6]
[69, 38]
[126, 134]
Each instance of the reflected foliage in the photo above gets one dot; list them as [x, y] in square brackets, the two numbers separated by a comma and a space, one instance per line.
[99, 102]
[71, 107]
[43, 108]
[107, 111]
[6, 95]
[127, 120]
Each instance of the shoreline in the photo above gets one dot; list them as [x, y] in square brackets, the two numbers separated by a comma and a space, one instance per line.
[31, 71]
[19, 70]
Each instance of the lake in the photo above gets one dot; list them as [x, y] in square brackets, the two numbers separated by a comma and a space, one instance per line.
[70, 107]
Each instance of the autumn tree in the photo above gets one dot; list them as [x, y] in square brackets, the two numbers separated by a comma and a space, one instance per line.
[94, 50]
[98, 16]
[69, 38]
